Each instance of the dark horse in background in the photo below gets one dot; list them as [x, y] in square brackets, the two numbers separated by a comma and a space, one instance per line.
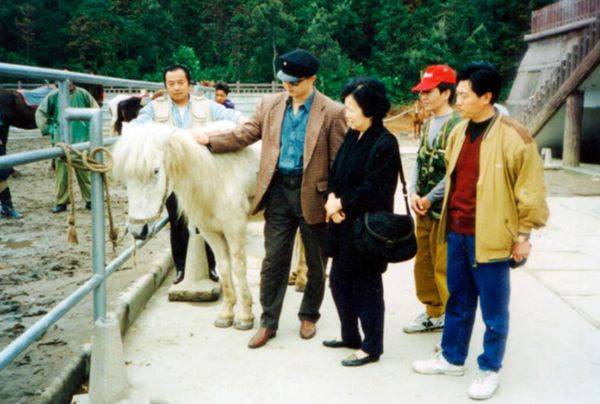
[127, 110]
[16, 111]
[126, 107]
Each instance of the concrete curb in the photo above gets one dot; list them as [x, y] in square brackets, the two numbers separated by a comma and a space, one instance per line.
[130, 304]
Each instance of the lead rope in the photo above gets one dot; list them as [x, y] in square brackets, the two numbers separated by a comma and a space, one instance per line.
[88, 163]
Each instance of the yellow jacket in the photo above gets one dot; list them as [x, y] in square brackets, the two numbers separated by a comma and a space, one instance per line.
[511, 193]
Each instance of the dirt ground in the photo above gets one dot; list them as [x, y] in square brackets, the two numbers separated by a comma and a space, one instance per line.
[38, 268]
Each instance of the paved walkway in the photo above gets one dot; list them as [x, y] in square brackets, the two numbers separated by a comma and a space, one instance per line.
[553, 353]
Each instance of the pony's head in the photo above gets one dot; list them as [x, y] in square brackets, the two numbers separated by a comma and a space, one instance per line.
[139, 164]
[151, 159]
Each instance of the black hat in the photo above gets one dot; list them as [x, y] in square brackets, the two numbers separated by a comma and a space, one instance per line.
[297, 64]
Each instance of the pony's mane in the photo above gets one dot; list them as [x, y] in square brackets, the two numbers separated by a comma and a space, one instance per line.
[185, 159]
[135, 154]
[139, 149]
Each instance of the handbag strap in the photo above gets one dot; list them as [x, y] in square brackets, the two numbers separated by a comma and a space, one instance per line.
[404, 191]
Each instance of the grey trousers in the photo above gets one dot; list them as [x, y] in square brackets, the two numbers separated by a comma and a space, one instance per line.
[283, 216]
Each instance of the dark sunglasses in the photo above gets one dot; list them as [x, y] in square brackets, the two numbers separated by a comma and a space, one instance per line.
[295, 82]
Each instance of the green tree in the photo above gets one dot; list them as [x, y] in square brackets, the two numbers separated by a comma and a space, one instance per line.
[187, 56]
[335, 66]
[272, 30]
[93, 37]
[394, 32]
[478, 46]
[24, 23]
[241, 39]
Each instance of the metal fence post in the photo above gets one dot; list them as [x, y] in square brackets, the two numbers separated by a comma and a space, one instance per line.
[63, 104]
[98, 227]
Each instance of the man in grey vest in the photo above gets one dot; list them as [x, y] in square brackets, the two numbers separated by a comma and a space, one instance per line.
[182, 109]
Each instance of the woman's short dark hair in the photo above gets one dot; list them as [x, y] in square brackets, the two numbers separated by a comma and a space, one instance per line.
[448, 87]
[370, 95]
[174, 67]
[484, 78]
[222, 86]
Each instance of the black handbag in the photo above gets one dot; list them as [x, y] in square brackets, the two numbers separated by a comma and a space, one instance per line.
[387, 236]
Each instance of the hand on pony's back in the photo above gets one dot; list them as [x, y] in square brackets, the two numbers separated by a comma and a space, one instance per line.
[201, 135]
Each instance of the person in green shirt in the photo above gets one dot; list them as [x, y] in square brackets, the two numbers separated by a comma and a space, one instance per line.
[47, 119]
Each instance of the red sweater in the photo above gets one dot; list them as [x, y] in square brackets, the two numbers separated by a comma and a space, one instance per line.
[463, 195]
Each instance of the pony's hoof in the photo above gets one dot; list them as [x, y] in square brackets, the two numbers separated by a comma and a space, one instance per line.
[243, 325]
[223, 322]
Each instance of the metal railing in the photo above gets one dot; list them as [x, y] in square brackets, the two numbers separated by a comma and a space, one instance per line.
[97, 282]
[256, 88]
[562, 13]
[239, 88]
[19, 85]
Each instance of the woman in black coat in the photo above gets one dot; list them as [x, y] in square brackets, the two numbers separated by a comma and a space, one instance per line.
[363, 179]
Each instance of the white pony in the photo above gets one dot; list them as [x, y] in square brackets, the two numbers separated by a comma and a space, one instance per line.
[214, 191]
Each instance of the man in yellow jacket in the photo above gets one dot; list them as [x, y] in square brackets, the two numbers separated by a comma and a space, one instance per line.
[495, 195]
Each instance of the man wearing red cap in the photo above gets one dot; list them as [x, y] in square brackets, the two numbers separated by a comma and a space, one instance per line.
[436, 91]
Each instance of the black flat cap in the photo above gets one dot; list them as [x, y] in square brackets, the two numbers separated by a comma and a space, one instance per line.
[297, 64]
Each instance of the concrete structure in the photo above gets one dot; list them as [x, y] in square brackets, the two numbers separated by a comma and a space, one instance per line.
[557, 88]
[196, 285]
[245, 102]
[108, 378]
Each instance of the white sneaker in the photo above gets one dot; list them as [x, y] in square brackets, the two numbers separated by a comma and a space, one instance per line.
[425, 323]
[438, 365]
[484, 385]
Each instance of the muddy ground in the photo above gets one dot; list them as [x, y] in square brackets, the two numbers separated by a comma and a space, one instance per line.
[38, 267]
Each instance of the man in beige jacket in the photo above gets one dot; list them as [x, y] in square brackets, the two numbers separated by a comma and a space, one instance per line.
[495, 195]
[301, 131]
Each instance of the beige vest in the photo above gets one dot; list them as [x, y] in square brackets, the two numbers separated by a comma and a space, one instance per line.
[200, 110]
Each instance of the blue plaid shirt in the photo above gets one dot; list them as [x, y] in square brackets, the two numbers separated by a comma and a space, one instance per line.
[293, 132]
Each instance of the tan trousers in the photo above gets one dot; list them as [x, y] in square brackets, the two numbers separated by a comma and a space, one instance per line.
[430, 267]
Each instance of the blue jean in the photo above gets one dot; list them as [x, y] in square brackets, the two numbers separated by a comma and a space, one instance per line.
[467, 281]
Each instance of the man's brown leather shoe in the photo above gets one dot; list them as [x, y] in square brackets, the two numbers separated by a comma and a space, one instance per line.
[308, 329]
[261, 337]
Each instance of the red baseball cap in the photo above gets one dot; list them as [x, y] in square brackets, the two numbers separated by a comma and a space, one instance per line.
[433, 76]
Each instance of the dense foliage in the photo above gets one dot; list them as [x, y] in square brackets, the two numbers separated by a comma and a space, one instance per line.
[239, 40]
